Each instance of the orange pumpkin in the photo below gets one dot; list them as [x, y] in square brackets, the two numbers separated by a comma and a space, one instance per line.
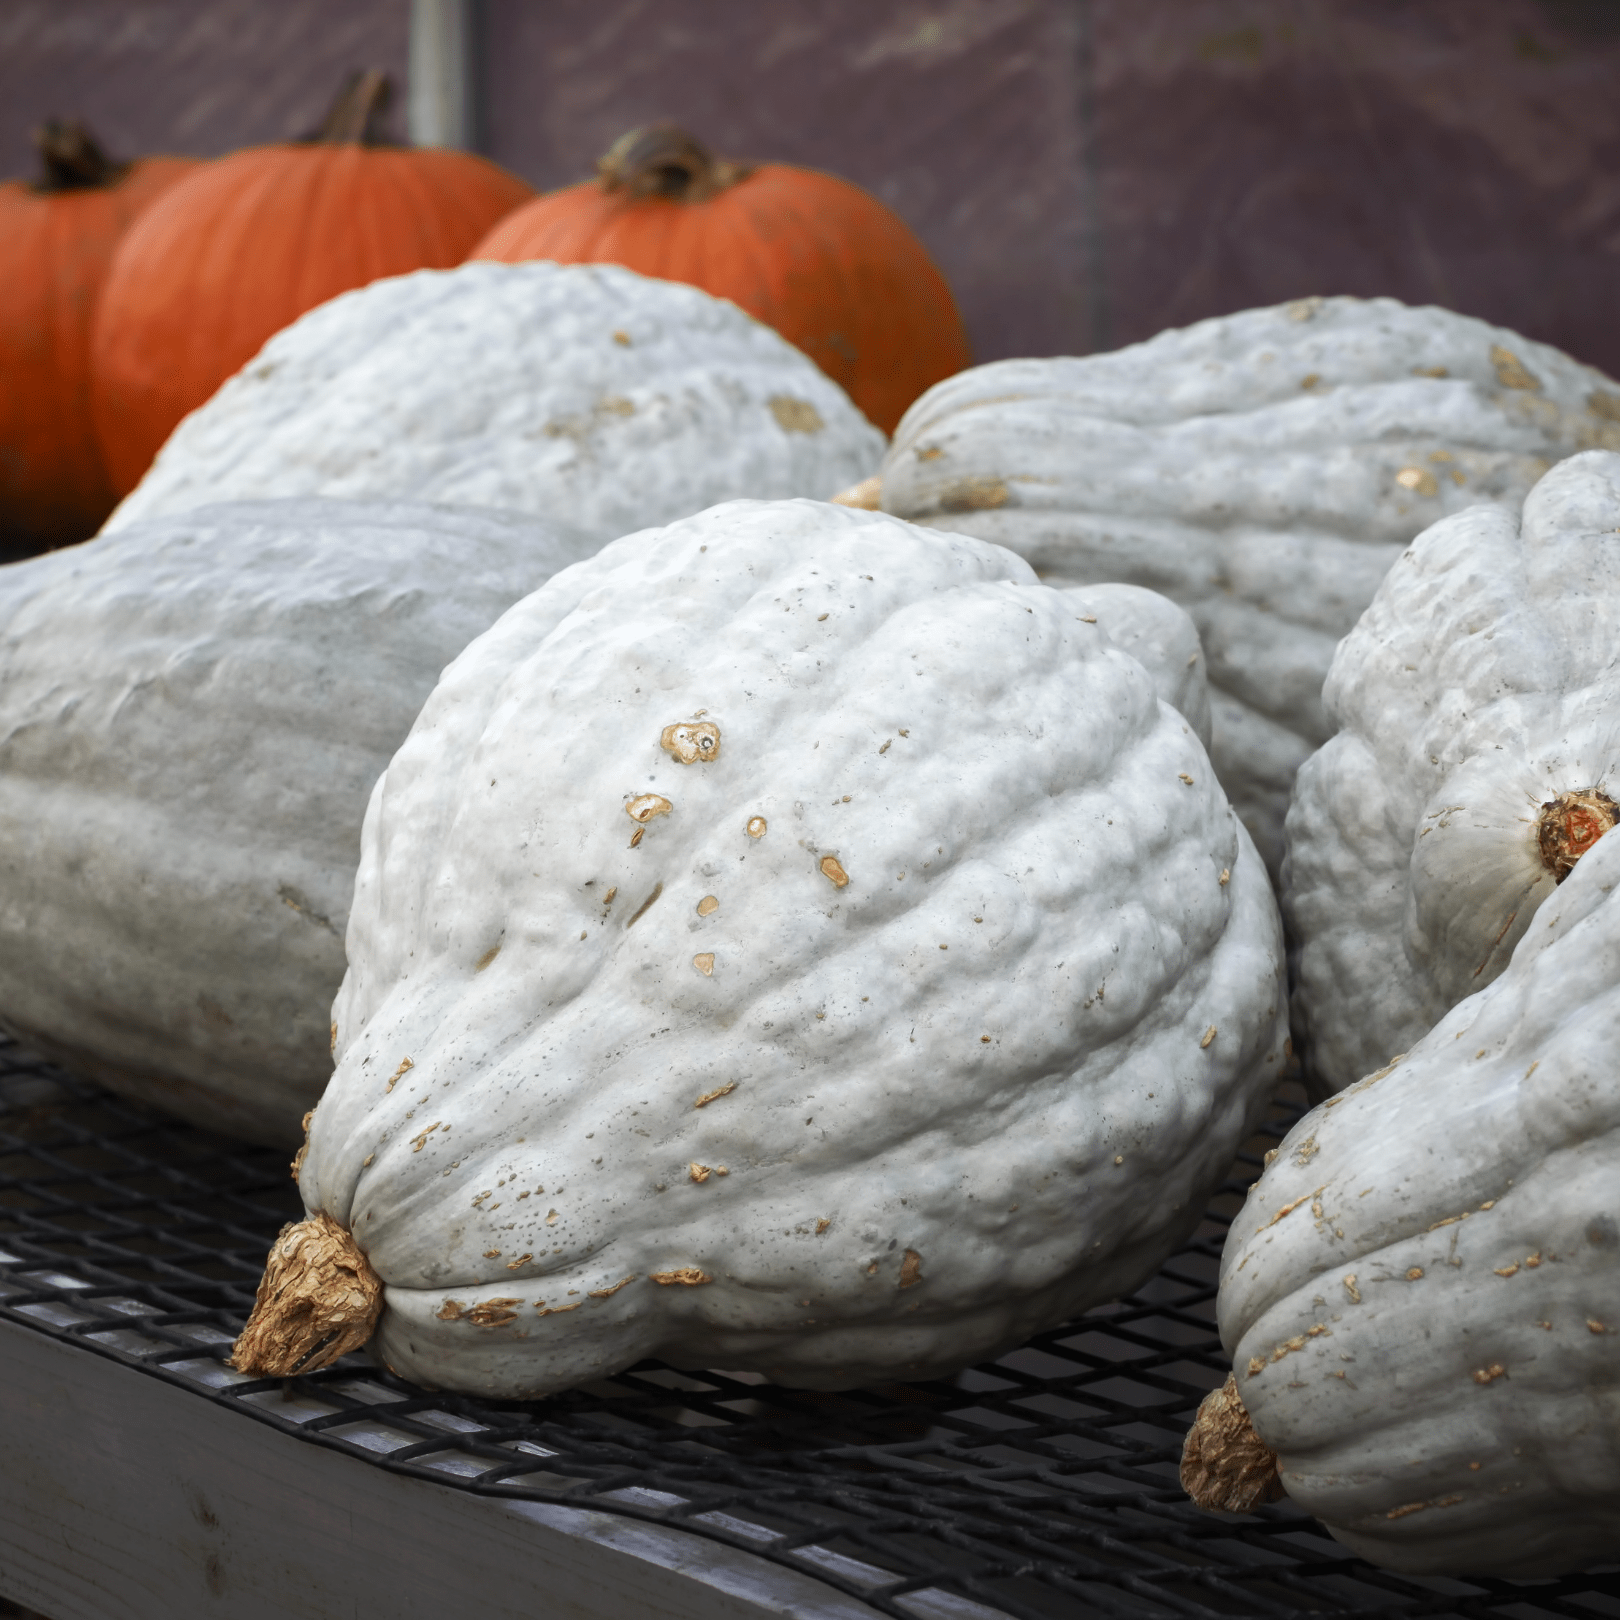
[246, 245]
[823, 262]
[57, 237]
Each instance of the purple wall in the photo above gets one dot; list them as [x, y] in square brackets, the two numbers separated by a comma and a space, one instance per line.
[961, 115]
[1086, 171]
[1459, 152]
[192, 76]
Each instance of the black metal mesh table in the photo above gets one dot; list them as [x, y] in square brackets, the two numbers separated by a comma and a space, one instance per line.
[1041, 1485]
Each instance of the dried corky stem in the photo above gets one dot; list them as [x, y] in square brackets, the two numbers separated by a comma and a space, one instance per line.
[1225, 1466]
[1570, 825]
[318, 1300]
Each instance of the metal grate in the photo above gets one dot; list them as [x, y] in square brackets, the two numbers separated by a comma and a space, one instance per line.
[1042, 1485]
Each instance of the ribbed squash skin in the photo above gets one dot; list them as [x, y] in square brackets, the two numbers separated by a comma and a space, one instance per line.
[925, 1013]
[250, 243]
[1476, 758]
[599, 400]
[192, 714]
[1421, 1296]
[55, 250]
[826, 265]
[1264, 469]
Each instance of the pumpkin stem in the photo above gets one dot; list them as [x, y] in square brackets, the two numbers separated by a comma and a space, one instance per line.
[1225, 1466]
[318, 1300]
[663, 160]
[1570, 825]
[71, 159]
[355, 116]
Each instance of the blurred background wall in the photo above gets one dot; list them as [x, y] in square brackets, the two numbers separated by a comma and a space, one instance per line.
[1086, 172]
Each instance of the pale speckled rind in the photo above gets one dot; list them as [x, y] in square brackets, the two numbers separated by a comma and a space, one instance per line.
[1249, 467]
[1482, 681]
[192, 715]
[1161, 637]
[597, 399]
[1487, 1161]
[1034, 970]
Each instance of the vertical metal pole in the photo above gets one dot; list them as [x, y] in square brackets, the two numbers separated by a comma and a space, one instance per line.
[443, 109]
[1098, 311]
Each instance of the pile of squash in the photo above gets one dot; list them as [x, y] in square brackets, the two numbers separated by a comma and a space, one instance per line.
[686, 914]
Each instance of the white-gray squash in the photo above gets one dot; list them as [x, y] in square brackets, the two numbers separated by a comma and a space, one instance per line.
[789, 940]
[1478, 702]
[1421, 1296]
[1161, 637]
[597, 399]
[1264, 469]
[192, 714]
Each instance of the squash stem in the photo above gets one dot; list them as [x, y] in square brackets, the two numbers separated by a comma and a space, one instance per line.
[1225, 1466]
[1570, 825]
[318, 1300]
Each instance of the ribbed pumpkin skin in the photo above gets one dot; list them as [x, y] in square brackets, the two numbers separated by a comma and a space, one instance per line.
[55, 250]
[250, 243]
[826, 265]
